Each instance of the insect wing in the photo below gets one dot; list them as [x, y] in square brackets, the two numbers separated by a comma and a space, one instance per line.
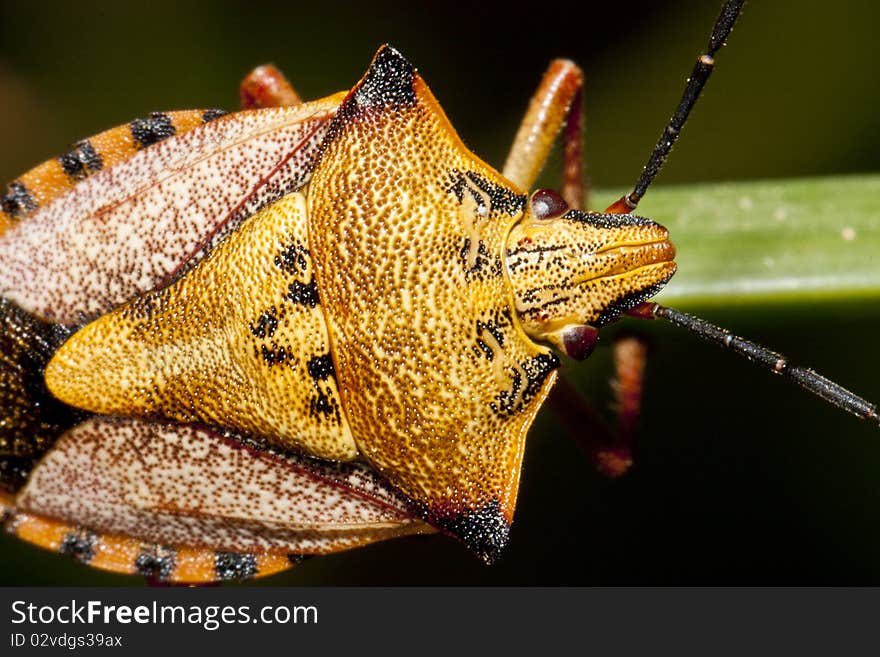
[53, 178]
[132, 227]
[181, 485]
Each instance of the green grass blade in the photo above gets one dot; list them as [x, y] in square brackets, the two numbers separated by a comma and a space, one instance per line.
[788, 241]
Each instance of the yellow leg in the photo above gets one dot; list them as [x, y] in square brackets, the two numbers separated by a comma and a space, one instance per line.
[266, 86]
[557, 101]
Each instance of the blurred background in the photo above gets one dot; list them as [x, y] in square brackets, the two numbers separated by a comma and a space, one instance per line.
[739, 478]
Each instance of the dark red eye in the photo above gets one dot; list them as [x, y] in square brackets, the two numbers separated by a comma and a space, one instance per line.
[580, 341]
[547, 204]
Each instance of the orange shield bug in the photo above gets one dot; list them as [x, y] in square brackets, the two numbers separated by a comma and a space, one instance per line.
[247, 350]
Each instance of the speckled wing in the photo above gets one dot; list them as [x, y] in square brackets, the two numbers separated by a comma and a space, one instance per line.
[54, 178]
[112, 232]
[187, 486]
[177, 564]
[438, 381]
[239, 342]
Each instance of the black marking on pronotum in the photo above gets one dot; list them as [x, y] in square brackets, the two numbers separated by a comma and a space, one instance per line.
[508, 402]
[320, 367]
[537, 370]
[485, 264]
[492, 329]
[79, 545]
[303, 294]
[493, 324]
[459, 186]
[516, 398]
[234, 566]
[486, 350]
[156, 561]
[151, 130]
[628, 301]
[484, 530]
[266, 324]
[212, 115]
[18, 200]
[387, 84]
[293, 259]
[81, 161]
[501, 199]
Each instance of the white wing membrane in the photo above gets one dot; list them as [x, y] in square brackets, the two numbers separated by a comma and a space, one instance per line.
[129, 228]
[183, 485]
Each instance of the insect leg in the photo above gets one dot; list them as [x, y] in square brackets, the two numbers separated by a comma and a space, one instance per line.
[695, 83]
[630, 355]
[610, 451]
[266, 86]
[831, 392]
[585, 427]
[557, 101]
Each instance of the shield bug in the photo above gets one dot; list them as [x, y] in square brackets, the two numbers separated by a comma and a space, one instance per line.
[258, 350]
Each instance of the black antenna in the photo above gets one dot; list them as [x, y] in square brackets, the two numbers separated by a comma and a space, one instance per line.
[806, 378]
[695, 83]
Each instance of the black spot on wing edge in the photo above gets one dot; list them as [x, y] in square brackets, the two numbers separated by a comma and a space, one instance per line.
[80, 545]
[232, 566]
[156, 562]
[81, 161]
[151, 130]
[212, 115]
[18, 200]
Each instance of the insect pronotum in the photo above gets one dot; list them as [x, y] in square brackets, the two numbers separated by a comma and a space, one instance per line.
[231, 341]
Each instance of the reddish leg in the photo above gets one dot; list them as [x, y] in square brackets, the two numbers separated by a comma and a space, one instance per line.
[610, 451]
[630, 354]
[556, 102]
[266, 86]
[580, 421]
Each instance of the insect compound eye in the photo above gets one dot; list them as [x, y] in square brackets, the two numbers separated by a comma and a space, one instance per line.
[580, 341]
[547, 204]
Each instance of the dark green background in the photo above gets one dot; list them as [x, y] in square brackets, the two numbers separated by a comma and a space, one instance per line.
[739, 478]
